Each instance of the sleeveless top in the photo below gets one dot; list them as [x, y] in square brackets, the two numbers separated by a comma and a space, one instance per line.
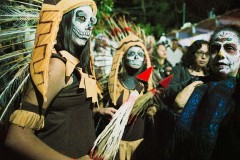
[67, 122]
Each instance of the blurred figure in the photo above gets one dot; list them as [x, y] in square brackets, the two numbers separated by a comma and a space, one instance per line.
[102, 54]
[150, 42]
[162, 67]
[175, 52]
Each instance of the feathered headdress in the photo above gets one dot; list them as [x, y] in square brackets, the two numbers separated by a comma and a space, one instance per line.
[126, 35]
[119, 28]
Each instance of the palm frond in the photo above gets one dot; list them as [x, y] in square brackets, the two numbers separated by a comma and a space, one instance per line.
[13, 97]
[18, 20]
[107, 143]
[141, 105]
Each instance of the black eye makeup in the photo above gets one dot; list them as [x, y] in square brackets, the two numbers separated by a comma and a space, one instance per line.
[81, 16]
[230, 48]
[130, 54]
[93, 20]
[215, 48]
[141, 54]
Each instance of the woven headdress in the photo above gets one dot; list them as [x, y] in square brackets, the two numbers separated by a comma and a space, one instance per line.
[19, 20]
[127, 35]
[49, 20]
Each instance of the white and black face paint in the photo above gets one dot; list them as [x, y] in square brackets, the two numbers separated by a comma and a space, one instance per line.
[83, 21]
[225, 54]
[134, 57]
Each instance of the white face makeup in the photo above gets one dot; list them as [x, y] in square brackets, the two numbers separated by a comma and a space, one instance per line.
[134, 57]
[225, 54]
[83, 21]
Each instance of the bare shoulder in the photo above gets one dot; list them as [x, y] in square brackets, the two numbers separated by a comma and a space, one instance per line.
[56, 68]
[56, 79]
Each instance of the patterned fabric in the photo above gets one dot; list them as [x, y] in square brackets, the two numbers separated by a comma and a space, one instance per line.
[197, 127]
[207, 107]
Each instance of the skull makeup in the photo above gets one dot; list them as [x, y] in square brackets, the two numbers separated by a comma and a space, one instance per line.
[225, 53]
[134, 57]
[82, 21]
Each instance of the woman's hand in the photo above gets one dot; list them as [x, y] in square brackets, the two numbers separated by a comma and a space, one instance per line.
[151, 111]
[184, 95]
[109, 111]
[168, 70]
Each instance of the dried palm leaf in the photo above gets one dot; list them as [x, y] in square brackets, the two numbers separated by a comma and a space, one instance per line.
[18, 20]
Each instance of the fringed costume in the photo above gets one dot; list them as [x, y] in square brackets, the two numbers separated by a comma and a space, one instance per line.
[69, 118]
[134, 131]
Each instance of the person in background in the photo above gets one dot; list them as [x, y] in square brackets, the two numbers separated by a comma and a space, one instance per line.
[131, 59]
[150, 43]
[162, 67]
[189, 73]
[102, 53]
[174, 52]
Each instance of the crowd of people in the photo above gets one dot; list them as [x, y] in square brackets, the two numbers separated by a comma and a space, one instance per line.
[196, 117]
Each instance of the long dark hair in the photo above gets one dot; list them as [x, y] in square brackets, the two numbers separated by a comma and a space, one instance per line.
[155, 55]
[64, 42]
[188, 59]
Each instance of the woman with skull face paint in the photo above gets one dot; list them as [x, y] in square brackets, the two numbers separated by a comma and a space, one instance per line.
[130, 59]
[209, 126]
[224, 64]
[55, 120]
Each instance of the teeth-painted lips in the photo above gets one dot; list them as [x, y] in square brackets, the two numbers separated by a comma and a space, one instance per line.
[82, 35]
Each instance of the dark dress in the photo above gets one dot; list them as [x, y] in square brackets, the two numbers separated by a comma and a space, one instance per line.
[68, 120]
[181, 78]
[158, 135]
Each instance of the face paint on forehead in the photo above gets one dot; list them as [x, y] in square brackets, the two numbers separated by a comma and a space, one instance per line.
[225, 53]
[227, 37]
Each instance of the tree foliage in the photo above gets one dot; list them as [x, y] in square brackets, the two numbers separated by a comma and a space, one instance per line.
[158, 16]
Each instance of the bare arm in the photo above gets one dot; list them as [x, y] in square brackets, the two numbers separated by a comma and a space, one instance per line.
[184, 95]
[24, 142]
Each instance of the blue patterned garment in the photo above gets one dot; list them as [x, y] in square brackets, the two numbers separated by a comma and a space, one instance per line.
[207, 107]
[197, 127]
